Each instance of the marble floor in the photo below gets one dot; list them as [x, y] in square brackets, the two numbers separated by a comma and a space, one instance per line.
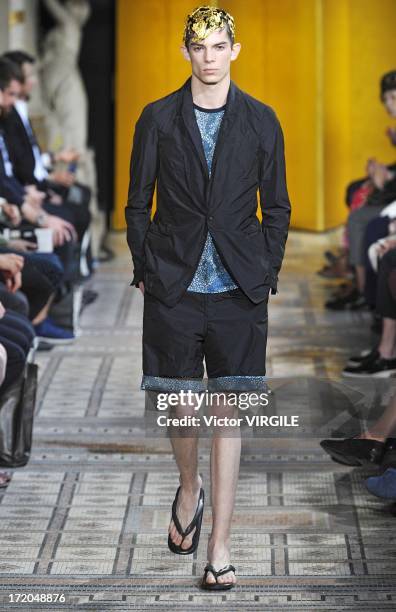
[87, 517]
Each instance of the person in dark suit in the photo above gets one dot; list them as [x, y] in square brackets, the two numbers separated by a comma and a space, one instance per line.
[205, 263]
[27, 198]
[64, 197]
[43, 272]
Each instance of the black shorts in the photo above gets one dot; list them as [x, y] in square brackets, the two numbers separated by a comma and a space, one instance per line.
[226, 329]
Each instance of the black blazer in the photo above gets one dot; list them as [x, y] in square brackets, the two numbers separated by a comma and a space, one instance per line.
[19, 148]
[249, 156]
[10, 188]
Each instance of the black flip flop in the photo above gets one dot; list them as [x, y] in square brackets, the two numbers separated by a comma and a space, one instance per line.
[217, 586]
[196, 522]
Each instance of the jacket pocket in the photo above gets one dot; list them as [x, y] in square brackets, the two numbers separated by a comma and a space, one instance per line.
[253, 228]
[236, 294]
[159, 229]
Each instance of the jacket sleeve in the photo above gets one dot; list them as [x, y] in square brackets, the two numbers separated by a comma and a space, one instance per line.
[12, 191]
[22, 158]
[274, 199]
[143, 176]
[10, 188]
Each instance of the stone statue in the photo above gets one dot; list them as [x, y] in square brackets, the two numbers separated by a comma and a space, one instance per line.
[61, 80]
[65, 96]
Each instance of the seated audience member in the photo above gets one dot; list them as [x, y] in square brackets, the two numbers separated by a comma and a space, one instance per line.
[379, 191]
[39, 277]
[16, 339]
[381, 360]
[16, 335]
[42, 274]
[60, 188]
[377, 233]
[29, 206]
[377, 445]
[14, 301]
[30, 201]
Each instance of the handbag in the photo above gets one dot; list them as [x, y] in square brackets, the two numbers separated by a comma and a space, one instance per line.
[16, 419]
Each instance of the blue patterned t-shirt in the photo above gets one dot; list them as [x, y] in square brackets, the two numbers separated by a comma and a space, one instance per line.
[210, 275]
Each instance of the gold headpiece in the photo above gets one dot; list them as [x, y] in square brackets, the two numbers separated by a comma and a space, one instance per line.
[205, 20]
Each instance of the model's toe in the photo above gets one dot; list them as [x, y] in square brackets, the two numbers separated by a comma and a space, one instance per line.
[228, 577]
[174, 535]
[210, 579]
[187, 542]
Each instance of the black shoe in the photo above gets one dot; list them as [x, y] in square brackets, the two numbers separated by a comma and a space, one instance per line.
[378, 367]
[88, 297]
[105, 254]
[44, 346]
[389, 458]
[358, 304]
[354, 451]
[217, 586]
[364, 357]
[196, 522]
[352, 301]
[331, 257]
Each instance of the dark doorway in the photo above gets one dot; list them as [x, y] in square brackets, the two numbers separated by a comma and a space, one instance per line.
[97, 67]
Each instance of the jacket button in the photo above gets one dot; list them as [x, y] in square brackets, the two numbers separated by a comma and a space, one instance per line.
[210, 218]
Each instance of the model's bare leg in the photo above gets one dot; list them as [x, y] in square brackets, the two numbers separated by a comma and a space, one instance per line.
[224, 471]
[185, 448]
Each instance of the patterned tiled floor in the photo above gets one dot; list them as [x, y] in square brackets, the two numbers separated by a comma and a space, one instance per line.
[87, 518]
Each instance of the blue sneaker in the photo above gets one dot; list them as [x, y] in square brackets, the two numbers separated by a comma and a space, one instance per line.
[384, 485]
[53, 334]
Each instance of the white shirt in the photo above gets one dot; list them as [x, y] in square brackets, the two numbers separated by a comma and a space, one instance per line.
[40, 172]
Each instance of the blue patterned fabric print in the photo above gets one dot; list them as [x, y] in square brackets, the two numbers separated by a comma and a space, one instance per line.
[210, 275]
[172, 385]
[221, 383]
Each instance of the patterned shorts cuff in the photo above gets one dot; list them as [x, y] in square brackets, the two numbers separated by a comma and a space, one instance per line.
[238, 383]
[162, 383]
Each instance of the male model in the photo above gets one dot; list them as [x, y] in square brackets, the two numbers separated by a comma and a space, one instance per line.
[205, 263]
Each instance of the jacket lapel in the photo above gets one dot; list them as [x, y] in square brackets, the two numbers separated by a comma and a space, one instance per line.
[188, 115]
[227, 124]
[187, 112]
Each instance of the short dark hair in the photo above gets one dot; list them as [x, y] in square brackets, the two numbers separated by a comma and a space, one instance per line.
[387, 83]
[19, 57]
[9, 72]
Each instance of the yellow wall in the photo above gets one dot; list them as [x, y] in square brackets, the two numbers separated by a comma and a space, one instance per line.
[359, 46]
[316, 62]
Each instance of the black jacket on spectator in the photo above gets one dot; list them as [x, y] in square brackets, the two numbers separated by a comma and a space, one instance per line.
[385, 196]
[19, 148]
[249, 156]
[10, 188]
[379, 197]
